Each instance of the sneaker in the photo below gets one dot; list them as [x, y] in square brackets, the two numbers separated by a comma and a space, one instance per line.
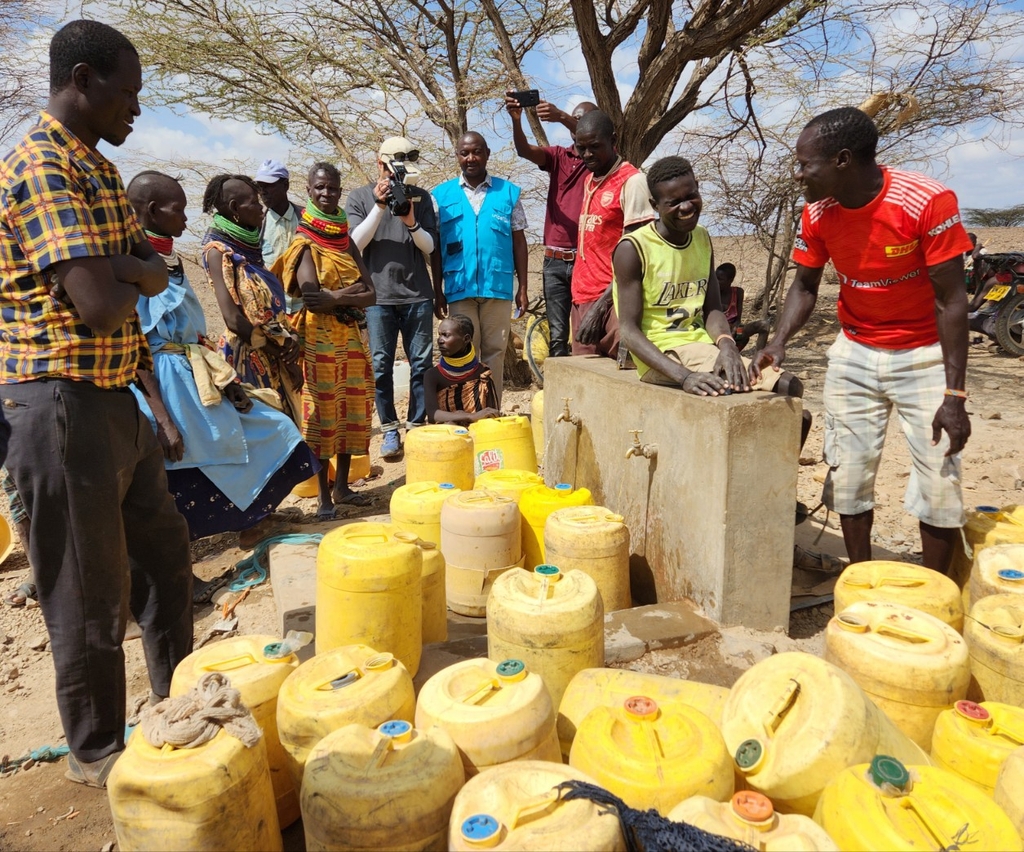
[392, 446]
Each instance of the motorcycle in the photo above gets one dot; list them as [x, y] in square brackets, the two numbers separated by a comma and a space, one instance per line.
[998, 309]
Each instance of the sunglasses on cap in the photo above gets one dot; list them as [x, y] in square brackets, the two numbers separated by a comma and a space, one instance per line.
[402, 157]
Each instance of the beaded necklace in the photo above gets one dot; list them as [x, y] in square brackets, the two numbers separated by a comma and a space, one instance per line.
[164, 247]
[327, 230]
[459, 367]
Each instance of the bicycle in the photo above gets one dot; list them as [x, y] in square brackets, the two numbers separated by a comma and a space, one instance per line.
[537, 341]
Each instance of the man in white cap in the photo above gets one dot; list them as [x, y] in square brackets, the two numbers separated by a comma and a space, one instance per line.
[282, 215]
[396, 240]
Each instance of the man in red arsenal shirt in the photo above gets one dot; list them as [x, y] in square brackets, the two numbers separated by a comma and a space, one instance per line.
[616, 200]
[897, 244]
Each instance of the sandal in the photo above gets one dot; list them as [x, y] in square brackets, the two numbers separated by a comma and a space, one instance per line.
[326, 515]
[203, 590]
[354, 499]
[92, 774]
[22, 595]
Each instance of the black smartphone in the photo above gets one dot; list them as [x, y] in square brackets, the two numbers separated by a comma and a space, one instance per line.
[527, 97]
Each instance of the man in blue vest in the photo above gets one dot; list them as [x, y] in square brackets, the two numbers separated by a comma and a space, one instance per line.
[480, 264]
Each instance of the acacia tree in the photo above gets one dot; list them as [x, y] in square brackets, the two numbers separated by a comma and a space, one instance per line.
[22, 87]
[995, 217]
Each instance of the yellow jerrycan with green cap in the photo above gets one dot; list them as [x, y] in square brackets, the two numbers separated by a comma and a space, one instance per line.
[793, 721]
[432, 588]
[536, 505]
[507, 482]
[1009, 793]
[552, 621]
[985, 526]
[750, 818]
[974, 740]
[995, 636]
[886, 804]
[910, 664]
[594, 540]
[600, 687]
[998, 570]
[516, 806]
[652, 757]
[255, 668]
[389, 787]
[901, 583]
[215, 797]
[495, 712]
[369, 592]
[503, 443]
[440, 452]
[416, 508]
[351, 684]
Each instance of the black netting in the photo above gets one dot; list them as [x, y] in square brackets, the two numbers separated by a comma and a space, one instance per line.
[649, 831]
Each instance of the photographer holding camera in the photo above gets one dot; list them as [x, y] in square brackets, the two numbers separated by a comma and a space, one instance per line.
[394, 225]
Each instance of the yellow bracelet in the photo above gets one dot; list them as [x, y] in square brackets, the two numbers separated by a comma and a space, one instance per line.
[722, 337]
[959, 394]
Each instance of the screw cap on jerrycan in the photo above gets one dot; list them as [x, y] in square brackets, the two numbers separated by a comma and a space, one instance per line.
[973, 740]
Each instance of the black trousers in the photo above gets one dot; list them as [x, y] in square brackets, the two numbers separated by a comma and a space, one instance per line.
[106, 538]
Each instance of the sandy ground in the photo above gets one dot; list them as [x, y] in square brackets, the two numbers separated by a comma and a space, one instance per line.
[40, 810]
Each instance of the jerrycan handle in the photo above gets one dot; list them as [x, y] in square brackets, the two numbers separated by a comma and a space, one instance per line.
[531, 806]
[478, 693]
[926, 818]
[1013, 733]
[912, 637]
[773, 718]
[395, 731]
[231, 663]
[901, 582]
[344, 679]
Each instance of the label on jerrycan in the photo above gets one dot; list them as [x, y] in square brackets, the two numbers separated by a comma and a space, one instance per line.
[493, 459]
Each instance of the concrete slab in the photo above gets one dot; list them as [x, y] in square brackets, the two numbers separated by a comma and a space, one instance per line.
[631, 633]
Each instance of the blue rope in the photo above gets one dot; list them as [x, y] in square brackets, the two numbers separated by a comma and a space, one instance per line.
[251, 571]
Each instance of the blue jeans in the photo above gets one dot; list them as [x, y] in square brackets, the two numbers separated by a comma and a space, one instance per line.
[558, 301]
[415, 323]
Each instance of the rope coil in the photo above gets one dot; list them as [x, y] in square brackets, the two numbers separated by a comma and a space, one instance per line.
[195, 718]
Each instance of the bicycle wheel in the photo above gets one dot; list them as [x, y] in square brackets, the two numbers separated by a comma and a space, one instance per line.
[536, 347]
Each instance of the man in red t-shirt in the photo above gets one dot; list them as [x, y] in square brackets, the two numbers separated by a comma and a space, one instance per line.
[561, 218]
[897, 244]
[616, 200]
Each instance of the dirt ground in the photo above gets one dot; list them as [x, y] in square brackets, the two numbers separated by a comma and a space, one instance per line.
[39, 810]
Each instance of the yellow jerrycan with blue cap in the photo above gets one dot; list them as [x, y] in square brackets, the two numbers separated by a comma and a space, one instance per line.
[910, 664]
[998, 570]
[369, 592]
[886, 804]
[215, 797]
[507, 482]
[416, 508]
[503, 443]
[995, 636]
[390, 787]
[553, 622]
[793, 721]
[256, 668]
[901, 583]
[1009, 792]
[750, 818]
[516, 806]
[351, 684]
[653, 758]
[495, 712]
[985, 527]
[974, 740]
[536, 505]
[440, 452]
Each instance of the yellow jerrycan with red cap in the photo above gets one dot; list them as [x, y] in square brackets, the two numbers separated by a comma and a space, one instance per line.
[901, 583]
[974, 740]
[440, 452]
[750, 818]
[995, 636]
[886, 804]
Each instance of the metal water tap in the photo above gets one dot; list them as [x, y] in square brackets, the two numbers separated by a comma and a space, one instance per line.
[566, 416]
[648, 451]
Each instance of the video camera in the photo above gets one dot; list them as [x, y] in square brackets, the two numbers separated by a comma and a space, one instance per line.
[396, 199]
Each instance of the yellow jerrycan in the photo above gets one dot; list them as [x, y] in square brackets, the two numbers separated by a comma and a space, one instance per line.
[503, 443]
[885, 804]
[973, 740]
[599, 687]
[995, 636]
[440, 453]
[416, 508]
[368, 592]
[593, 540]
[910, 664]
[793, 721]
[481, 538]
[432, 590]
[536, 504]
[986, 526]
[553, 622]
[750, 818]
[507, 482]
[998, 570]
[359, 468]
[901, 583]
[1009, 794]
[390, 787]
[351, 684]
[216, 797]
[653, 758]
[252, 666]
[537, 424]
[495, 712]
[516, 807]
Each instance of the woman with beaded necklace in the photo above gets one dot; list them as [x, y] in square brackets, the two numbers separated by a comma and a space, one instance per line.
[460, 388]
[258, 341]
[325, 268]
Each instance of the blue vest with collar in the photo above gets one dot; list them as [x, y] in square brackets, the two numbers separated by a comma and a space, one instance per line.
[476, 250]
